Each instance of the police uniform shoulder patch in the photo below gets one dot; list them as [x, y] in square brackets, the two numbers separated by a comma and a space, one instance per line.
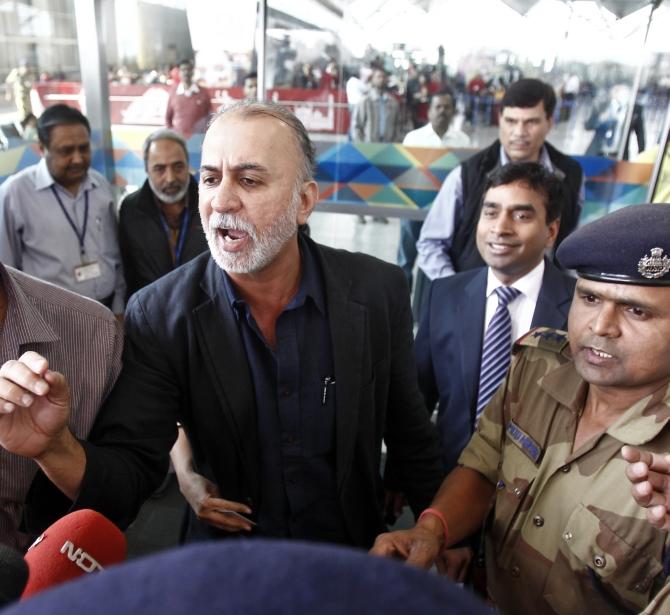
[545, 338]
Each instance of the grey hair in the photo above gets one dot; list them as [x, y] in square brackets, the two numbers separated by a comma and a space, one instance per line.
[160, 135]
[251, 108]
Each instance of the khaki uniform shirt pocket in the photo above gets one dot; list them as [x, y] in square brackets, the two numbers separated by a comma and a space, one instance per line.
[612, 575]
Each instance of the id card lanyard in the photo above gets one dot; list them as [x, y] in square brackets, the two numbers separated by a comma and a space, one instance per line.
[80, 235]
[179, 248]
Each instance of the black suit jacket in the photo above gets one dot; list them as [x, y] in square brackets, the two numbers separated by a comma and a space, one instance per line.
[449, 344]
[184, 361]
[144, 245]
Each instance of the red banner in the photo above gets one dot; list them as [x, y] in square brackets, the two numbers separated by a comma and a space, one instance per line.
[321, 111]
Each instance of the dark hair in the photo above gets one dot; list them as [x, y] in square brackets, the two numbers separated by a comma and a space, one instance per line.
[527, 93]
[252, 75]
[535, 177]
[252, 108]
[443, 91]
[57, 115]
[185, 61]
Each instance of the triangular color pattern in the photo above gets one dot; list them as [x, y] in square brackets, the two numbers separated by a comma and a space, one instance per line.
[390, 195]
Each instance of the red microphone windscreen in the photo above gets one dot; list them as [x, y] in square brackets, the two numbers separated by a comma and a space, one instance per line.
[82, 542]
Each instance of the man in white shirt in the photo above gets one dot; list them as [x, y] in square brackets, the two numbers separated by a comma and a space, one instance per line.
[438, 132]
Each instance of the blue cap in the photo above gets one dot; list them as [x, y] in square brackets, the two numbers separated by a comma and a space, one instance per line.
[629, 246]
[256, 577]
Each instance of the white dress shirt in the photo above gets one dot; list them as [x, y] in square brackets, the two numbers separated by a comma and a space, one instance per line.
[522, 307]
[427, 137]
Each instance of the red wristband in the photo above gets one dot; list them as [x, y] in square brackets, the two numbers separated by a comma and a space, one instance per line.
[440, 516]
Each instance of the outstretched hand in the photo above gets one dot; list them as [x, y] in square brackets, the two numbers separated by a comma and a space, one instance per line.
[417, 546]
[34, 405]
[204, 498]
[650, 475]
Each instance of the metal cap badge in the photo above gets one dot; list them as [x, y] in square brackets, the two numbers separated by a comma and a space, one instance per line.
[654, 266]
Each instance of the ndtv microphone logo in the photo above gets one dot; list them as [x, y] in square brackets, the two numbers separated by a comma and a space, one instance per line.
[80, 558]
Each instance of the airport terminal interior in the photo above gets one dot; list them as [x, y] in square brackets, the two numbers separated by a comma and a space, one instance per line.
[118, 61]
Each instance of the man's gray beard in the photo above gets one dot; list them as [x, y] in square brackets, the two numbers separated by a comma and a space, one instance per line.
[168, 198]
[265, 245]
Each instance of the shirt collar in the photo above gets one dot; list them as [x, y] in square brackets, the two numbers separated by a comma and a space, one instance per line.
[529, 285]
[544, 160]
[44, 180]
[182, 91]
[311, 283]
[637, 425]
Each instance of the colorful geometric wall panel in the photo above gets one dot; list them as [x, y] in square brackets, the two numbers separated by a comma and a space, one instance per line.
[353, 173]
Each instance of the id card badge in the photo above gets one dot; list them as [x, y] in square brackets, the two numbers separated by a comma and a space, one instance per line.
[87, 271]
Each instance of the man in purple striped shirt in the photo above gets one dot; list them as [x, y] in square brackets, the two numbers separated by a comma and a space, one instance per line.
[81, 339]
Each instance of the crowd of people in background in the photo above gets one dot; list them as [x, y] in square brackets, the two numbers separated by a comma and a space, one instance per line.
[599, 109]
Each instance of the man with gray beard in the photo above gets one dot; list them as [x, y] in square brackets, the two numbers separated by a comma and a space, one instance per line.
[285, 362]
[159, 226]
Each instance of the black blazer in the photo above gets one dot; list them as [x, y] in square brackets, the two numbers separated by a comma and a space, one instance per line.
[184, 361]
[449, 344]
[144, 246]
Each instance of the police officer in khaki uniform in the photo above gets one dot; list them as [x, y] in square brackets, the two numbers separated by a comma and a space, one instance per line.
[564, 535]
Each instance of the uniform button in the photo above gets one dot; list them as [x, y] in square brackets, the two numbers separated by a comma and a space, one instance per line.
[517, 492]
[500, 484]
[639, 588]
[567, 536]
[538, 521]
[599, 561]
[514, 571]
[565, 468]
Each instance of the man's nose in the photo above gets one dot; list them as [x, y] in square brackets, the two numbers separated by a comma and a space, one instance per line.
[605, 323]
[519, 129]
[502, 225]
[225, 198]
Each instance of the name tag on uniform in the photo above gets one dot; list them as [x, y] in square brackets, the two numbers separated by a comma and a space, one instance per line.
[87, 271]
[524, 441]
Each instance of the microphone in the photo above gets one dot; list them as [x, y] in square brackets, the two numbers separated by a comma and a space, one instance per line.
[13, 575]
[78, 544]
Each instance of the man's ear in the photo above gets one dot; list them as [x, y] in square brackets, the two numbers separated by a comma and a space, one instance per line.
[309, 195]
[552, 228]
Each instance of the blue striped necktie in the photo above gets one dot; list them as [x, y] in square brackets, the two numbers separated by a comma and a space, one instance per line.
[496, 352]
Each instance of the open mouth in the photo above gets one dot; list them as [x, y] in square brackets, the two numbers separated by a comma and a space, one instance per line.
[601, 353]
[233, 234]
[233, 239]
[598, 357]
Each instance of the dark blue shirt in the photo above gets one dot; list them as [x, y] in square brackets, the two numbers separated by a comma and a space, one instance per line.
[294, 387]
